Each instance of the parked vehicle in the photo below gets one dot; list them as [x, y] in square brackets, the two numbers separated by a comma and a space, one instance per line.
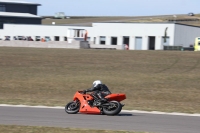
[190, 14]
[88, 104]
[197, 44]
[29, 38]
[7, 38]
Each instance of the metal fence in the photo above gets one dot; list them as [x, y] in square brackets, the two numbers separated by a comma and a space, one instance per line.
[173, 48]
[178, 48]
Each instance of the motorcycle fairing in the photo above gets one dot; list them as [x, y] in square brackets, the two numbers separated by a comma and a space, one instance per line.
[85, 108]
[116, 97]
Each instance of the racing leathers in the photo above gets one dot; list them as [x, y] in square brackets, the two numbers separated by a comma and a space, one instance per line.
[99, 92]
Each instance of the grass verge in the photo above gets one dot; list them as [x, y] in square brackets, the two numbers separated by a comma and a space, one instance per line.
[152, 80]
[31, 129]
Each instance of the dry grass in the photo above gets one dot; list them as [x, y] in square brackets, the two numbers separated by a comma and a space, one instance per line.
[84, 20]
[87, 21]
[153, 80]
[31, 129]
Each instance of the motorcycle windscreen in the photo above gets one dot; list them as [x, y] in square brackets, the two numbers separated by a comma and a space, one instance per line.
[116, 97]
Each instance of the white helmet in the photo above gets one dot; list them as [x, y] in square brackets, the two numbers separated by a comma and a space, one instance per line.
[96, 82]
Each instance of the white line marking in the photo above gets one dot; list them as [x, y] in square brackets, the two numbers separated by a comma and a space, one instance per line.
[128, 111]
[27, 106]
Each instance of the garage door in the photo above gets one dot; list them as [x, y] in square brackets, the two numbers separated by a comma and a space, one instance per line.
[138, 43]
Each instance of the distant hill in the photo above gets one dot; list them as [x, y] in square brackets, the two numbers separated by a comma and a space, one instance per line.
[88, 20]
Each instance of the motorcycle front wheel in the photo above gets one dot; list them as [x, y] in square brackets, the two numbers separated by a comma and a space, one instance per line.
[72, 107]
[113, 109]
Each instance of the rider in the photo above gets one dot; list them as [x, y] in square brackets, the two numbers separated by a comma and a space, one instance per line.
[100, 90]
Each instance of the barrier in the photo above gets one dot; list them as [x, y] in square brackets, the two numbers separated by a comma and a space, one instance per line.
[56, 44]
[173, 48]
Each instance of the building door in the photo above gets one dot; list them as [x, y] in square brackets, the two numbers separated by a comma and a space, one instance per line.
[94, 40]
[102, 40]
[152, 40]
[138, 43]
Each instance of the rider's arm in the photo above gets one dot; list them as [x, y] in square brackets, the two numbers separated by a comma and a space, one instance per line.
[90, 89]
[93, 88]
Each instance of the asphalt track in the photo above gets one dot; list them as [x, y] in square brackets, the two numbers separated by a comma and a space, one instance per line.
[157, 123]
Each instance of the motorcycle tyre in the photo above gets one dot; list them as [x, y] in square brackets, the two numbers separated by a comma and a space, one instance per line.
[71, 111]
[114, 112]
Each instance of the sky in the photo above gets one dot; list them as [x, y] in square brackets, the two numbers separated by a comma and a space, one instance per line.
[117, 7]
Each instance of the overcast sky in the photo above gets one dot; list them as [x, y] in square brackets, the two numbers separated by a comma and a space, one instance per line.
[117, 7]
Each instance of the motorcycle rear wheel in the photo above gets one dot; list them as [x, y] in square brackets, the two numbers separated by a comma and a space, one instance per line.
[114, 109]
[72, 107]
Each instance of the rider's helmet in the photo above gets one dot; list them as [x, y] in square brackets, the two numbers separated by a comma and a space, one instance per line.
[96, 82]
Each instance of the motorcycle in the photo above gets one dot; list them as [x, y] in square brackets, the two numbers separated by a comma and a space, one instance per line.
[89, 104]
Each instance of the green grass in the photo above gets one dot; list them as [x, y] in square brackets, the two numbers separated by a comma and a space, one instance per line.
[152, 80]
[31, 129]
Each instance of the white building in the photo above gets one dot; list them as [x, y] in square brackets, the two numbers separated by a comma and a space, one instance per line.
[144, 36]
[54, 32]
[139, 36]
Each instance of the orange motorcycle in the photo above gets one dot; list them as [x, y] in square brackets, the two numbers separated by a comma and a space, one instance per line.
[89, 104]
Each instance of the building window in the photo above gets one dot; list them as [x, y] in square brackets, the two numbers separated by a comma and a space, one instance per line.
[1, 25]
[65, 38]
[102, 40]
[113, 40]
[57, 38]
[47, 38]
[37, 38]
[2, 8]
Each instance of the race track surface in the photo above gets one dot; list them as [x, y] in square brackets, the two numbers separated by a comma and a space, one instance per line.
[156, 123]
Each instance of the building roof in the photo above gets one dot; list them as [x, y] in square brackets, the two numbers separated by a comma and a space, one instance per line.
[13, 14]
[19, 2]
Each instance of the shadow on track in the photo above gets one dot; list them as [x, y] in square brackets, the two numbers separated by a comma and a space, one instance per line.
[125, 114]
[121, 114]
